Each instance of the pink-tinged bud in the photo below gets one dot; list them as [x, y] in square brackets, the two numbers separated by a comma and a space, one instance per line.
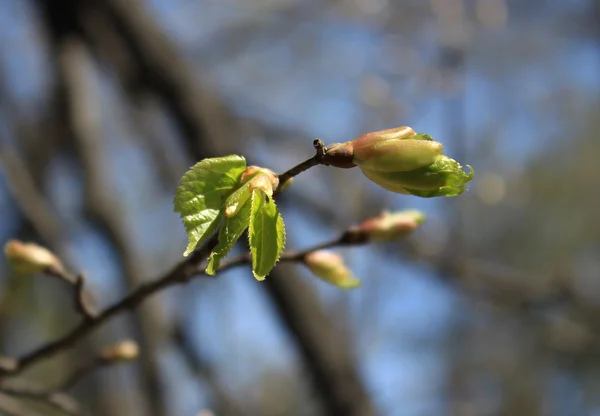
[394, 150]
[405, 162]
[330, 267]
[390, 226]
[123, 351]
[260, 178]
[30, 258]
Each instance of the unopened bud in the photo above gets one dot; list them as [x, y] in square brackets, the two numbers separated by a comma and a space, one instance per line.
[389, 226]
[123, 351]
[260, 178]
[330, 267]
[405, 162]
[252, 171]
[232, 209]
[30, 258]
[264, 183]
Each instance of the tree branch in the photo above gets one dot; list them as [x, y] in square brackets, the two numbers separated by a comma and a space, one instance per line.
[307, 164]
[11, 407]
[55, 396]
[182, 273]
[223, 403]
[82, 299]
[54, 399]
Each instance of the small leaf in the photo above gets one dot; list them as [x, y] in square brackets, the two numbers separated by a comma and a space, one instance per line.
[266, 234]
[230, 231]
[236, 200]
[201, 194]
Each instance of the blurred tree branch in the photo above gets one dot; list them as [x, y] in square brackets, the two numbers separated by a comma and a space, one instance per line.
[224, 404]
[55, 396]
[12, 407]
[202, 120]
[328, 363]
[82, 115]
[189, 268]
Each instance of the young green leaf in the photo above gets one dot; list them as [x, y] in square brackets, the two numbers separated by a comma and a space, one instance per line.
[230, 231]
[201, 194]
[266, 234]
[237, 199]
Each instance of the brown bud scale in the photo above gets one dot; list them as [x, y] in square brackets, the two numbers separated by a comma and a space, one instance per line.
[339, 155]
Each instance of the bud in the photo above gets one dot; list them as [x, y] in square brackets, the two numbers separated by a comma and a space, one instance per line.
[123, 351]
[405, 162]
[339, 155]
[264, 183]
[260, 178]
[330, 267]
[30, 258]
[390, 226]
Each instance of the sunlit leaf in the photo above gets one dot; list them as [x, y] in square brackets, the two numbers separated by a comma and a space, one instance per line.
[266, 234]
[201, 195]
[230, 231]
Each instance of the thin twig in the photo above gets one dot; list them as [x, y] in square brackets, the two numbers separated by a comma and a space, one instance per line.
[55, 396]
[80, 373]
[82, 299]
[178, 275]
[307, 164]
[223, 403]
[182, 273]
[291, 256]
[55, 399]
[11, 407]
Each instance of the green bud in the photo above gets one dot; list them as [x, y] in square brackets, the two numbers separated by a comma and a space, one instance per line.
[254, 177]
[123, 351]
[252, 171]
[260, 178]
[389, 226]
[330, 267]
[29, 258]
[395, 150]
[404, 162]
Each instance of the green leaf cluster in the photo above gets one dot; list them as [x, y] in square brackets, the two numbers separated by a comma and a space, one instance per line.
[210, 196]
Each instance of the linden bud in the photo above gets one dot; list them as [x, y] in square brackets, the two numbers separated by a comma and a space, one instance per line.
[330, 267]
[260, 178]
[264, 183]
[123, 351]
[390, 226]
[395, 150]
[339, 155]
[30, 258]
[405, 162]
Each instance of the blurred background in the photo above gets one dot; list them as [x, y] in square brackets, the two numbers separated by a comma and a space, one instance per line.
[491, 308]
